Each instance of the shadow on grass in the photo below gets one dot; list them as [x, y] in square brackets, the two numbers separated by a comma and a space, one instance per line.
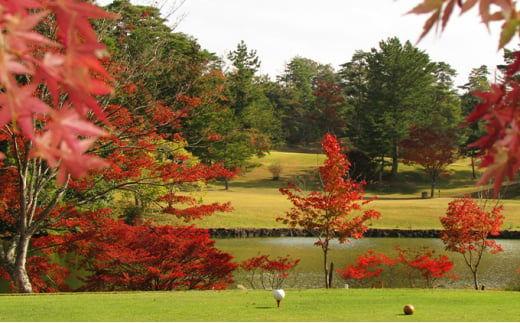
[408, 182]
[306, 180]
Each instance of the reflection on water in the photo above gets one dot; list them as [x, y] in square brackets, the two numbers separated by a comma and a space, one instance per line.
[495, 271]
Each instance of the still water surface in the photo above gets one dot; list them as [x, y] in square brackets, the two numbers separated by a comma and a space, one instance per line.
[495, 271]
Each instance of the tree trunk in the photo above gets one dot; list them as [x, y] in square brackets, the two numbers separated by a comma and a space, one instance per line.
[21, 280]
[395, 160]
[325, 260]
[434, 181]
[473, 164]
[19, 273]
[381, 169]
[331, 272]
[226, 183]
[475, 280]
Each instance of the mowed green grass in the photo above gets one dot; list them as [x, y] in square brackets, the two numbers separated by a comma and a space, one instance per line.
[257, 201]
[258, 305]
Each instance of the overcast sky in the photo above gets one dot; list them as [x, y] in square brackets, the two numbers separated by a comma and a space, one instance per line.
[330, 31]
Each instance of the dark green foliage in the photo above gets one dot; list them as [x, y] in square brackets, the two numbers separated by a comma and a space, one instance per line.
[132, 214]
[392, 88]
[362, 167]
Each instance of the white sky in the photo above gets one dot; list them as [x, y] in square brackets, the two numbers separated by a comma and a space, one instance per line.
[330, 31]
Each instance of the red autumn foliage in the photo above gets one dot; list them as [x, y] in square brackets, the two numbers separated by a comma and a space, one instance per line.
[367, 266]
[423, 261]
[372, 265]
[432, 148]
[115, 256]
[272, 272]
[336, 211]
[329, 103]
[467, 229]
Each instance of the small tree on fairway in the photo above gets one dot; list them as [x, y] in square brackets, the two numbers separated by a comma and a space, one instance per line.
[333, 212]
[467, 227]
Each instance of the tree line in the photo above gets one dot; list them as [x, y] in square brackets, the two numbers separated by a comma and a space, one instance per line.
[371, 102]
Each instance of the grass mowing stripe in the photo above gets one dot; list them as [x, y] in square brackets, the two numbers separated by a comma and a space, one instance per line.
[258, 305]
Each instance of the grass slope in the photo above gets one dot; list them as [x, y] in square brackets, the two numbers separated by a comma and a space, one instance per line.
[257, 201]
[258, 305]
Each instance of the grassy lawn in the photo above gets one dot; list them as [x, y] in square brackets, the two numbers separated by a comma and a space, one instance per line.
[257, 202]
[258, 305]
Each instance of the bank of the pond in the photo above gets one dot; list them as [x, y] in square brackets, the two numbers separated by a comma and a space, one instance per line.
[224, 233]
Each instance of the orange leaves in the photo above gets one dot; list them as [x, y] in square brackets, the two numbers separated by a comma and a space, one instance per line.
[499, 109]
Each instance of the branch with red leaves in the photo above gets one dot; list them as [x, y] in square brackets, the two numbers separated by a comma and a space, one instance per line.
[370, 265]
[67, 66]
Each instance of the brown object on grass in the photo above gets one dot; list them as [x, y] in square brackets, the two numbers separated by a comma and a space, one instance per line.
[408, 309]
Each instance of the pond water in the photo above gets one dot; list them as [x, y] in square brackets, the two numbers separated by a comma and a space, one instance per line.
[495, 270]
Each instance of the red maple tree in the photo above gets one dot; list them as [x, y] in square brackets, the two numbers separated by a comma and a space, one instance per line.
[48, 88]
[467, 228]
[432, 148]
[336, 210]
[329, 113]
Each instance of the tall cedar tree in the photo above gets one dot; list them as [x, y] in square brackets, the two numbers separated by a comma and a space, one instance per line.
[432, 148]
[399, 80]
[467, 227]
[477, 81]
[334, 212]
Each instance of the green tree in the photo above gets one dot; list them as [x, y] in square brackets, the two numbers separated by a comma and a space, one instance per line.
[353, 79]
[242, 88]
[159, 64]
[477, 81]
[399, 79]
[444, 106]
[296, 103]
